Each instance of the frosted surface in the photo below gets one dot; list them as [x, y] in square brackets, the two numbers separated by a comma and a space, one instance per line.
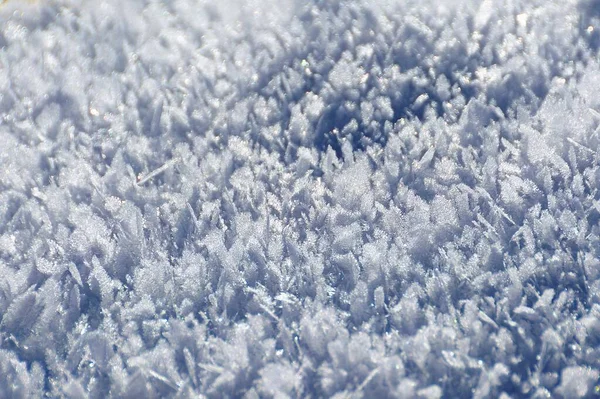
[293, 198]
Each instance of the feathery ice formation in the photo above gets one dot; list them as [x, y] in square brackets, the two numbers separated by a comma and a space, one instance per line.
[299, 199]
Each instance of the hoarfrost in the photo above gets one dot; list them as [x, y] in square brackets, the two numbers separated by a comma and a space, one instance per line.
[342, 198]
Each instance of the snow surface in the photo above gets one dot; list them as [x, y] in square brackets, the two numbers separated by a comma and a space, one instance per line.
[299, 198]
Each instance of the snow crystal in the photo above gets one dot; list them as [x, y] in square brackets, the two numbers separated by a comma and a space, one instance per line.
[318, 199]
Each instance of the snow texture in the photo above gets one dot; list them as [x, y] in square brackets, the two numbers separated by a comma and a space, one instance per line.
[285, 198]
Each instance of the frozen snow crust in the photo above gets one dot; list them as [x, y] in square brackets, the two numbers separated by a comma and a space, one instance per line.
[299, 199]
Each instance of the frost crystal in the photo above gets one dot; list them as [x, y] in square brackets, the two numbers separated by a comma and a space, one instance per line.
[343, 198]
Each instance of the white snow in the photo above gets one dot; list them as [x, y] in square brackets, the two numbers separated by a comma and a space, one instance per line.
[338, 198]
